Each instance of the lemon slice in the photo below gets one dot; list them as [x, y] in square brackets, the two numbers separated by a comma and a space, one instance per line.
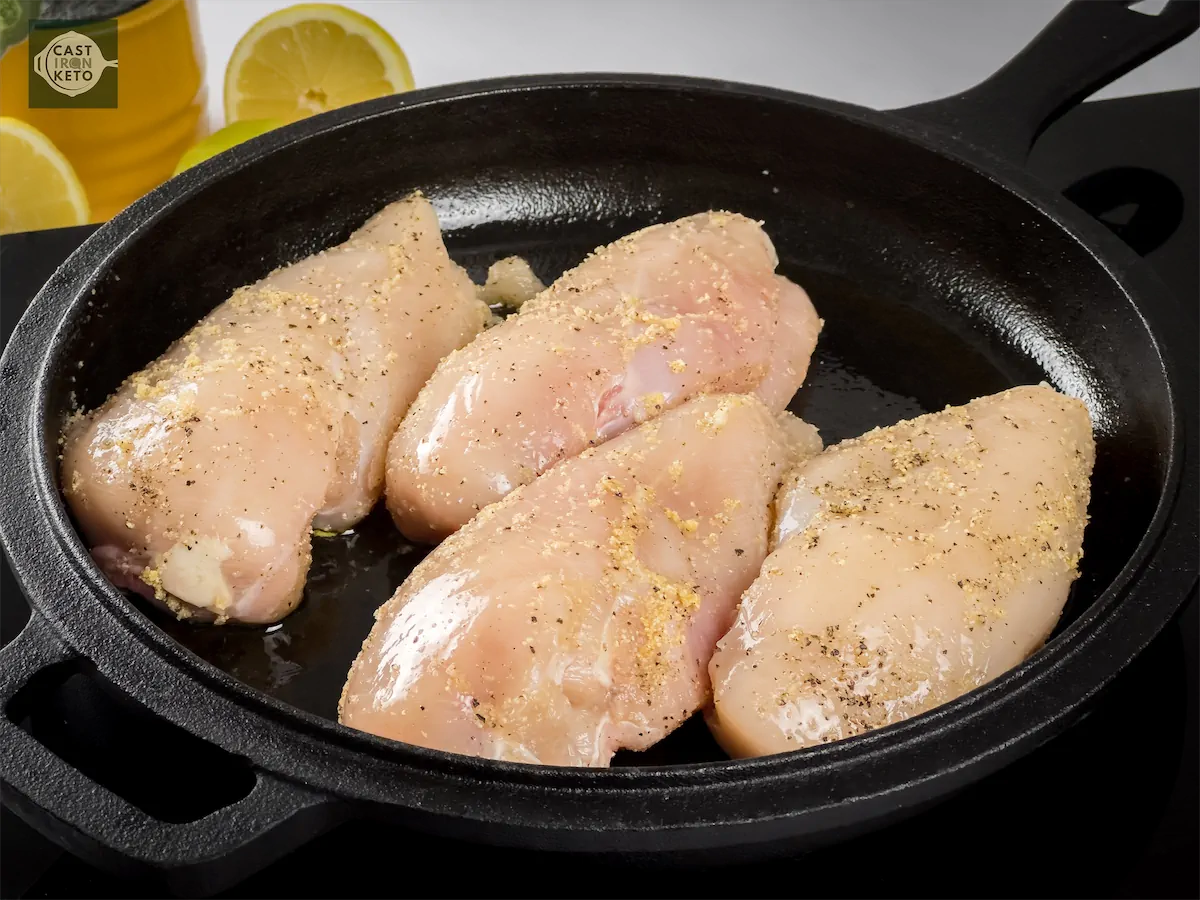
[220, 141]
[310, 58]
[39, 188]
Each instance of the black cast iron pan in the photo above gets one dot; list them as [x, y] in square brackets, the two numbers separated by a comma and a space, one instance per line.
[943, 272]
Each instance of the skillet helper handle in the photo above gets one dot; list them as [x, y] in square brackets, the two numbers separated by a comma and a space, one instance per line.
[92, 822]
[1088, 45]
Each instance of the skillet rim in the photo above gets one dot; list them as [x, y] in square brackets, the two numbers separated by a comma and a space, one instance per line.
[43, 328]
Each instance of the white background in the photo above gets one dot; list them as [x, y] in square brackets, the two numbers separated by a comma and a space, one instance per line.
[878, 53]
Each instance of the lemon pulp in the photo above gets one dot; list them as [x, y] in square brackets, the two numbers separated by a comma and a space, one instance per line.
[311, 58]
[38, 186]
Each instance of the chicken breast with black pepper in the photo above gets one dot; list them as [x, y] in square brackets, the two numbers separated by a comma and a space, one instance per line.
[640, 326]
[199, 480]
[912, 564]
[577, 615]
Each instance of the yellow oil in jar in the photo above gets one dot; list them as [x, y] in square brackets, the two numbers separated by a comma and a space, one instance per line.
[120, 154]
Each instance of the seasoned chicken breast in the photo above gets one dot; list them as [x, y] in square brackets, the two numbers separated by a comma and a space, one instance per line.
[640, 326]
[577, 615]
[913, 564]
[199, 480]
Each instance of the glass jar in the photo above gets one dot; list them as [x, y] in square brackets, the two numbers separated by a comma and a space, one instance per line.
[120, 154]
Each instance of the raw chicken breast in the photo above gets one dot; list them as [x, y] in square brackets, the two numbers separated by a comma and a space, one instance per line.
[198, 481]
[640, 326]
[577, 615]
[914, 564]
[510, 283]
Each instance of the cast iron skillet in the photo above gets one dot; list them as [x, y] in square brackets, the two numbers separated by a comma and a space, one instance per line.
[943, 272]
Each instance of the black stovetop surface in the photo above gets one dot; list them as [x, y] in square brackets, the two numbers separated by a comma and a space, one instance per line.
[1108, 809]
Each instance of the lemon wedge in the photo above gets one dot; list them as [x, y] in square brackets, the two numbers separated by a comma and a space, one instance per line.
[39, 188]
[310, 58]
[220, 141]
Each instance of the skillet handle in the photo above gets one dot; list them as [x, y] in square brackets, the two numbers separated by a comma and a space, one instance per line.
[269, 818]
[1088, 45]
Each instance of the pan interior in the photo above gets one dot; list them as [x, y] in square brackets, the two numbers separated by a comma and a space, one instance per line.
[936, 285]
